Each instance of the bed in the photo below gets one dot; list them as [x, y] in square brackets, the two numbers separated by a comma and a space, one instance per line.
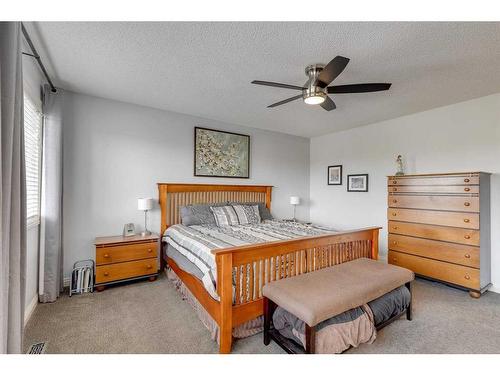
[232, 293]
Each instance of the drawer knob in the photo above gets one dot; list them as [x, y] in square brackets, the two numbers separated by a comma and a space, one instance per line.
[149, 266]
[466, 180]
[467, 277]
[394, 182]
[466, 220]
[394, 189]
[106, 255]
[467, 189]
[106, 273]
[393, 214]
[466, 204]
[467, 237]
[150, 251]
[467, 256]
[394, 201]
[394, 242]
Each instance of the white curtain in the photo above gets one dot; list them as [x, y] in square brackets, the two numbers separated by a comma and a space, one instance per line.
[12, 191]
[51, 256]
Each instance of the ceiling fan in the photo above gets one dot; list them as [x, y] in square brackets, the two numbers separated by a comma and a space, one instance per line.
[316, 89]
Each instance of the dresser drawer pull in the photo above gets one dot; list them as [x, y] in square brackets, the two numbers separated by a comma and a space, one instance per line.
[467, 256]
[394, 214]
[467, 277]
[394, 189]
[150, 250]
[467, 189]
[106, 273]
[394, 242]
[395, 228]
[466, 220]
[466, 180]
[106, 255]
[394, 201]
[467, 237]
[149, 266]
[466, 204]
[394, 182]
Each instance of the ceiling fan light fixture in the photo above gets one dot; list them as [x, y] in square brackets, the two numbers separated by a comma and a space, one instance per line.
[314, 99]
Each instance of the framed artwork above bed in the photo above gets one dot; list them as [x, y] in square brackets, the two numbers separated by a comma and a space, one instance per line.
[219, 153]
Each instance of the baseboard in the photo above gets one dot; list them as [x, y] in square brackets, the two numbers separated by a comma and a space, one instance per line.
[30, 309]
[494, 290]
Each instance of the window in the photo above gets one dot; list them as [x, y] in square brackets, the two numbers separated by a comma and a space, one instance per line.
[33, 158]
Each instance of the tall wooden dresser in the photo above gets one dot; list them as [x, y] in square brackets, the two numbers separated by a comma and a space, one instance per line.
[439, 227]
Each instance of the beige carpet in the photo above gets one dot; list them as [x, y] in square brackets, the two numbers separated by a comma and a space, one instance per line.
[146, 317]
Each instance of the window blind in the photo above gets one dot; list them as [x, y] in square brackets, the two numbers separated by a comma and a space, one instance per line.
[33, 156]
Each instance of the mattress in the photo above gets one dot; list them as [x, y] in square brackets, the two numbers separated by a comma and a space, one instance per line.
[195, 243]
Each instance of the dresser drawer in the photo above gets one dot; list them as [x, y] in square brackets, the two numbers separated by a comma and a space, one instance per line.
[430, 180]
[452, 273]
[125, 270]
[447, 218]
[465, 204]
[434, 189]
[126, 252]
[445, 251]
[434, 232]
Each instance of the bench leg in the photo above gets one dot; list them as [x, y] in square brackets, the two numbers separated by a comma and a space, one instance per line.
[310, 339]
[409, 309]
[269, 307]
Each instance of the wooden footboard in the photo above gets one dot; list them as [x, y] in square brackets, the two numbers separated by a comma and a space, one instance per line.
[250, 267]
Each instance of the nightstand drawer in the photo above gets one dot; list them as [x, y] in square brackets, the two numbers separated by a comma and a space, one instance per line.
[126, 270]
[126, 252]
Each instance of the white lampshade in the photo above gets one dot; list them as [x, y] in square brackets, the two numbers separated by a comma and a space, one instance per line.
[144, 204]
[294, 200]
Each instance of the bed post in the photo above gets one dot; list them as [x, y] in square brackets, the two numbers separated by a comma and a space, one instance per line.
[268, 196]
[162, 200]
[375, 243]
[225, 282]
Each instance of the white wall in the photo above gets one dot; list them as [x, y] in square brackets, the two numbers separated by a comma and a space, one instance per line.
[116, 152]
[456, 138]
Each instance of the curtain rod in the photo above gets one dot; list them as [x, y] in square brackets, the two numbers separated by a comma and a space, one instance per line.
[37, 57]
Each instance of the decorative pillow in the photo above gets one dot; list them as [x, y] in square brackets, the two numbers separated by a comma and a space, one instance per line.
[264, 212]
[225, 215]
[198, 214]
[247, 214]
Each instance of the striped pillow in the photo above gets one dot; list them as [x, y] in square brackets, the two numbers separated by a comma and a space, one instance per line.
[247, 214]
[225, 215]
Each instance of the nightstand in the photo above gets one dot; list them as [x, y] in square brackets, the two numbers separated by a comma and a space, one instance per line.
[121, 258]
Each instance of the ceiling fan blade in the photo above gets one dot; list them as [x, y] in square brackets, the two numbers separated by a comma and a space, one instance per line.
[358, 87]
[285, 101]
[276, 84]
[332, 71]
[328, 104]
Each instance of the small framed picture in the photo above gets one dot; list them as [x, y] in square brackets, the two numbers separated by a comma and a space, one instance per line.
[335, 175]
[357, 182]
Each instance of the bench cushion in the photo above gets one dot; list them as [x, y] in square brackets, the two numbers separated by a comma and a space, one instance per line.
[316, 296]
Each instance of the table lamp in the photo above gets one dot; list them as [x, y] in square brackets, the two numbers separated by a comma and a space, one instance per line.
[294, 201]
[145, 204]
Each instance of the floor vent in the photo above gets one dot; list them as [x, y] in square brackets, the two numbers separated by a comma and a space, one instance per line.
[38, 348]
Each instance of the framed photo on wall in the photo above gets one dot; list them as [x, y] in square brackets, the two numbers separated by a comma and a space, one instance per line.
[357, 182]
[219, 153]
[335, 175]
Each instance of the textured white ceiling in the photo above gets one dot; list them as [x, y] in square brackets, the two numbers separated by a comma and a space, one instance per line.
[205, 69]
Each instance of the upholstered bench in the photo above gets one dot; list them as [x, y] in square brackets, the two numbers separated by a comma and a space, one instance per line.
[317, 296]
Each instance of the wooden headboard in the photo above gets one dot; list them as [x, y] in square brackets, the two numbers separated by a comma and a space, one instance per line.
[173, 196]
